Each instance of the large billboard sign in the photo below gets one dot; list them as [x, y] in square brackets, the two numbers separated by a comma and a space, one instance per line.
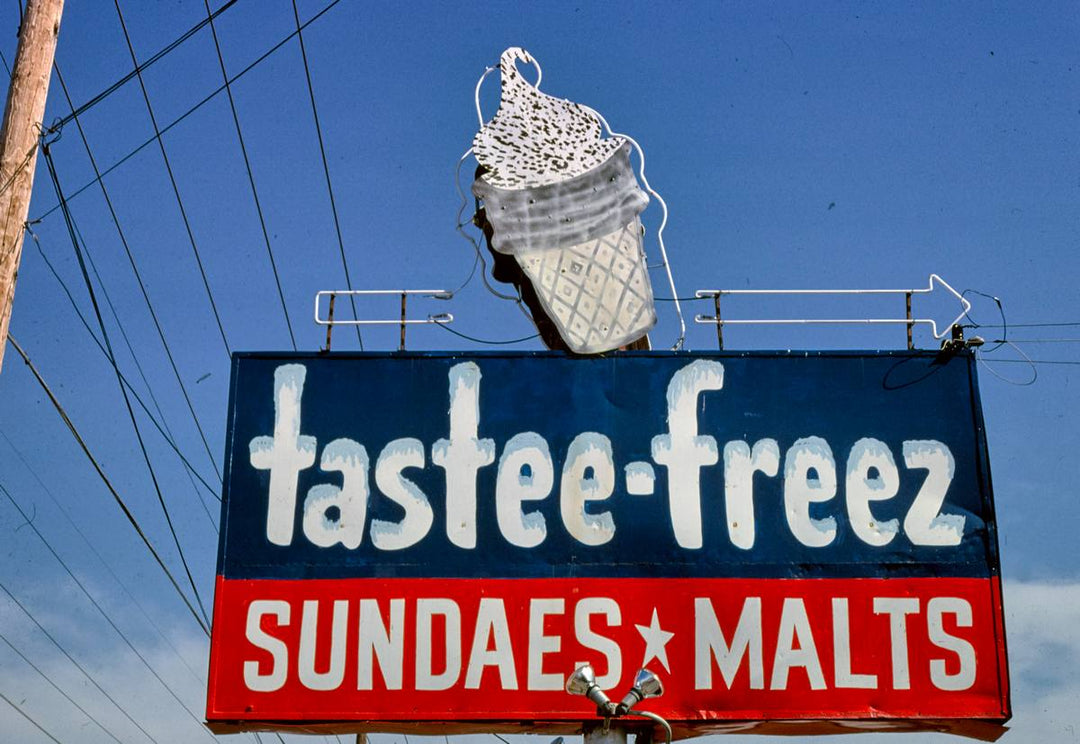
[417, 541]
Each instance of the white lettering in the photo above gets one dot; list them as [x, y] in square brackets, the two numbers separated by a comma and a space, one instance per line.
[683, 451]
[426, 677]
[740, 464]
[709, 644]
[377, 641]
[284, 454]
[463, 454]
[862, 488]
[845, 679]
[395, 457]
[279, 652]
[541, 645]
[924, 523]
[964, 677]
[898, 608]
[350, 459]
[588, 453]
[309, 625]
[801, 489]
[795, 631]
[513, 486]
[491, 624]
[609, 608]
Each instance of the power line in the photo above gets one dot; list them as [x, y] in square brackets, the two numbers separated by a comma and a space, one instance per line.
[56, 687]
[138, 275]
[172, 178]
[71, 658]
[326, 168]
[69, 220]
[251, 178]
[108, 484]
[139, 368]
[991, 360]
[59, 124]
[1071, 324]
[149, 414]
[1041, 341]
[445, 327]
[98, 607]
[78, 531]
[186, 114]
[24, 714]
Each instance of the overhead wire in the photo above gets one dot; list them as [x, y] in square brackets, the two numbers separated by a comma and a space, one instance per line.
[138, 276]
[17, 171]
[206, 99]
[445, 327]
[149, 414]
[1034, 361]
[172, 177]
[139, 68]
[108, 484]
[101, 559]
[69, 221]
[251, 177]
[982, 353]
[101, 610]
[1026, 358]
[459, 226]
[74, 661]
[1071, 324]
[26, 715]
[1001, 313]
[123, 332]
[681, 299]
[326, 167]
[139, 368]
[59, 689]
[1041, 340]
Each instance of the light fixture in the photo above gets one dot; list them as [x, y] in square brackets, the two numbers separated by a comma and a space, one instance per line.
[646, 685]
[583, 682]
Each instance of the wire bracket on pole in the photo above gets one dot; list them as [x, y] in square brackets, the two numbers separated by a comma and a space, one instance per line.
[908, 320]
[402, 321]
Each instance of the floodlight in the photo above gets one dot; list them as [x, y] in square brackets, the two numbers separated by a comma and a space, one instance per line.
[583, 682]
[646, 685]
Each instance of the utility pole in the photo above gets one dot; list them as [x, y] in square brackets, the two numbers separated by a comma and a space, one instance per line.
[19, 137]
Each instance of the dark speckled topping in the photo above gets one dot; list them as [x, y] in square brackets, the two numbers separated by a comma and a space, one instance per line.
[535, 139]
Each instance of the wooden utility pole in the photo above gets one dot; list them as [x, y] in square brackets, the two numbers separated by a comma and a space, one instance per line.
[19, 140]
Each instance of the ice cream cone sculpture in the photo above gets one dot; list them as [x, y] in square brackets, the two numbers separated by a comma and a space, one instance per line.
[563, 201]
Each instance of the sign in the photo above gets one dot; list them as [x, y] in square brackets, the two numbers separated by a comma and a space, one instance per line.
[412, 540]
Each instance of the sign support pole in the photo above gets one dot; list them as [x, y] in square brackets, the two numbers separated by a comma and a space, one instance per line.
[19, 139]
[600, 734]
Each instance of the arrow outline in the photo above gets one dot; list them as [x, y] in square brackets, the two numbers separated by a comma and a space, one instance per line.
[717, 293]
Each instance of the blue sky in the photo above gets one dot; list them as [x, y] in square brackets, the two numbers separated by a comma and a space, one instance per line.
[797, 146]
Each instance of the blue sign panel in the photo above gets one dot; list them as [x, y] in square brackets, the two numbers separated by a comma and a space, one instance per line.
[503, 465]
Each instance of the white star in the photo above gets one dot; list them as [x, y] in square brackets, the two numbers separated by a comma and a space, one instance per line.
[656, 639]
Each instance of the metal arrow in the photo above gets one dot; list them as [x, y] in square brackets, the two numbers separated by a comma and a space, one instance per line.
[716, 294]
